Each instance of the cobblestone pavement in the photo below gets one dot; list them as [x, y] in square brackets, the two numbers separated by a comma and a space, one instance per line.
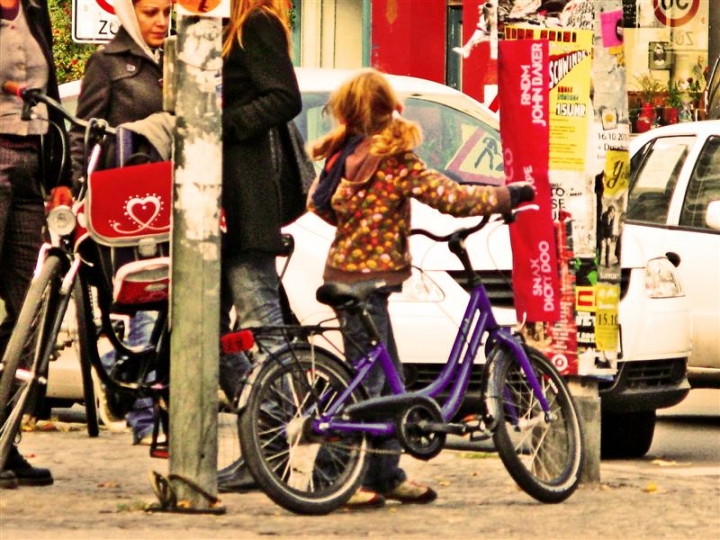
[101, 488]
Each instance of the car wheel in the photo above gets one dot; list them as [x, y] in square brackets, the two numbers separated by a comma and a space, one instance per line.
[626, 436]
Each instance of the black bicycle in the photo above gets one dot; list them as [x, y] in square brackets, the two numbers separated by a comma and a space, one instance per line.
[104, 274]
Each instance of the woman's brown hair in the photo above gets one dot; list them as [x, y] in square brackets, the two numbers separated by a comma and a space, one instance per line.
[241, 9]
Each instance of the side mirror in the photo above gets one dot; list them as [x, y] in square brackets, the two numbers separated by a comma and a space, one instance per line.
[712, 217]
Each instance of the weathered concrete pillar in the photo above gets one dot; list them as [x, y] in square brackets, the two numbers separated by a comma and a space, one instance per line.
[587, 401]
[195, 283]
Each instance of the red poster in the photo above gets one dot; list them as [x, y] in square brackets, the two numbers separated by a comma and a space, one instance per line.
[525, 132]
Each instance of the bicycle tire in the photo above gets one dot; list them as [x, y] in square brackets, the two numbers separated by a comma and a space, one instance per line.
[24, 361]
[286, 391]
[545, 459]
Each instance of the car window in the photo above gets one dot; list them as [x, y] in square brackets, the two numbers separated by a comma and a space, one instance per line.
[704, 186]
[454, 142]
[712, 92]
[654, 172]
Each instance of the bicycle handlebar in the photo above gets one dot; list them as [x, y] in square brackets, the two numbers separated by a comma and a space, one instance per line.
[464, 232]
[33, 96]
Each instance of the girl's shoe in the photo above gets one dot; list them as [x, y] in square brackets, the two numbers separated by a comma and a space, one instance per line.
[365, 498]
[410, 492]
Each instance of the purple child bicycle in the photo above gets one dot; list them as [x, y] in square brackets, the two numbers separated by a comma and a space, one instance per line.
[306, 421]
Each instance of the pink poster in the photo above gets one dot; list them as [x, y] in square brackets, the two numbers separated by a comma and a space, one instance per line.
[525, 132]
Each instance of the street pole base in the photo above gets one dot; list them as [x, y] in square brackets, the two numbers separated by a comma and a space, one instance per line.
[169, 502]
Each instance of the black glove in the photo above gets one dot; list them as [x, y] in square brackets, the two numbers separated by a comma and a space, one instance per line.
[520, 192]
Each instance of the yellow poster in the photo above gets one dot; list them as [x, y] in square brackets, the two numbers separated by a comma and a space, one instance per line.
[606, 316]
[617, 172]
[570, 104]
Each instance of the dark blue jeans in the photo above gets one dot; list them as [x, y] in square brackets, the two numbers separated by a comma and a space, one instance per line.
[384, 473]
[251, 285]
[141, 418]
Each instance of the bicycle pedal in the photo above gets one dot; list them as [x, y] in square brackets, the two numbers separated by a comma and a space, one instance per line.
[480, 435]
[450, 429]
[235, 342]
[160, 451]
[472, 422]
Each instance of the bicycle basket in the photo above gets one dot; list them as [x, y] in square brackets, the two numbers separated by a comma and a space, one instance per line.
[128, 213]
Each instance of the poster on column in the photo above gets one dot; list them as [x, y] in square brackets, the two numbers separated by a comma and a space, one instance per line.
[598, 278]
[612, 126]
[570, 62]
[524, 104]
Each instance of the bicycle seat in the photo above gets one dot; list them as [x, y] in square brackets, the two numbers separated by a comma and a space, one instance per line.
[347, 295]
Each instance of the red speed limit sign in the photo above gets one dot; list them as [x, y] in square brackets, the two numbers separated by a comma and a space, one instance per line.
[675, 12]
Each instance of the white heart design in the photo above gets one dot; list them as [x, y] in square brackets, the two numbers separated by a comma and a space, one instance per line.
[141, 205]
[136, 209]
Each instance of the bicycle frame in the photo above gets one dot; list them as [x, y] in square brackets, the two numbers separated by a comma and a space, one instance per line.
[478, 321]
[307, 427]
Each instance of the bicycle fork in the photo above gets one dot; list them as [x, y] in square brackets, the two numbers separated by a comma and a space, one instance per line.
[63, 300]
[501, 337]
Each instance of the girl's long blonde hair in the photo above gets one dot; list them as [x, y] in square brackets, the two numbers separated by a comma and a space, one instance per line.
[241, 9]
[367, 105]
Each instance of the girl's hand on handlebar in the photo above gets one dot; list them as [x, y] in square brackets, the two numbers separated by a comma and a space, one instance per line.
[521, 192]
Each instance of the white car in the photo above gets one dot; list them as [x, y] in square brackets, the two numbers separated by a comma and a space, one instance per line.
[462, 139]
[674, 209]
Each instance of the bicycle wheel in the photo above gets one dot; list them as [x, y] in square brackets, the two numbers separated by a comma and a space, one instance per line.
[25, 362]
[544, 458]
[301, 472]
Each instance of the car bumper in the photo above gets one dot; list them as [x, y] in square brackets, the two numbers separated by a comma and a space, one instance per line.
[645, 386]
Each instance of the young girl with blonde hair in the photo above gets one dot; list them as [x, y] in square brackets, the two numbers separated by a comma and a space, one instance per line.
[370, 176]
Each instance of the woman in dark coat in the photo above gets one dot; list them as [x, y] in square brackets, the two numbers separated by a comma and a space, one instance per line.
[260, 92]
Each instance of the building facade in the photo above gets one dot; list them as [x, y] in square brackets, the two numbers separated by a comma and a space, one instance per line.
[668, 40]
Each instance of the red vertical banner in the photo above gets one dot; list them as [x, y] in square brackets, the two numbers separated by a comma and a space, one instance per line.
[525, 132]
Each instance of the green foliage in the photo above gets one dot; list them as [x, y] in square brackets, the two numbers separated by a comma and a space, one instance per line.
[70, 57]
[674, 95]
[649, 86]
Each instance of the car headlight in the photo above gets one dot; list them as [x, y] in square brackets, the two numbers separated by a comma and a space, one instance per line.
[662, 279]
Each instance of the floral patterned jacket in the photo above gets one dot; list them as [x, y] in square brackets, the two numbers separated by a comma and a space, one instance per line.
[371, 213]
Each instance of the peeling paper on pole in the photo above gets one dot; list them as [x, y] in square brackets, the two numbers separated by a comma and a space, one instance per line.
[197, 190]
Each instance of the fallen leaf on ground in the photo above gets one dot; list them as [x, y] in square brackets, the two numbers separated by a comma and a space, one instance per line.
[108, 484]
